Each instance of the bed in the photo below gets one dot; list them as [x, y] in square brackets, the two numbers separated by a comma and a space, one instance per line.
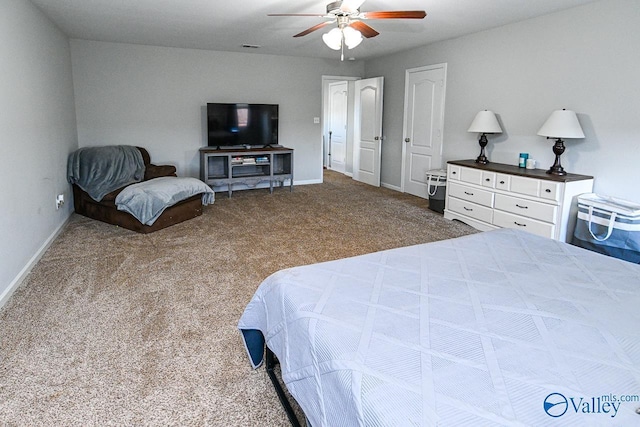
[496, 328]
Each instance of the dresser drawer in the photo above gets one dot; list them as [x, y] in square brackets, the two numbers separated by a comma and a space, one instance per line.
[454, 173]
[488, 179]
[503, 181]
[481, 197]
[528, 208]
[528, 186]
[550, 190]
[508, 220]
[472, 176]
[469, 209]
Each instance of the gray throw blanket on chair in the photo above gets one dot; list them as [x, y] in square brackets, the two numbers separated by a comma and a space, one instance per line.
[147, 200]
[101, 170]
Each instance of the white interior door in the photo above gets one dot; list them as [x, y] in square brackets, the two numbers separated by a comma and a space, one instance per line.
[337, 124]
[368, 130]
[423, 126]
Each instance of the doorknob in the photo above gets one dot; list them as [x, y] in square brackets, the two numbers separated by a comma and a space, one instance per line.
[407, 140]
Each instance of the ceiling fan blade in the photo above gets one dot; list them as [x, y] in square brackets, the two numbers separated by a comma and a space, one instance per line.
[395, 14]
[314, 28]
[366, 30]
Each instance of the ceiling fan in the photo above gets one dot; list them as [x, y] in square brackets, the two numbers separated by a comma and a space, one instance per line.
[351, 29]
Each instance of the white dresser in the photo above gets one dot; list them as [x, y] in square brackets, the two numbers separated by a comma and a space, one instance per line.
[496, 195]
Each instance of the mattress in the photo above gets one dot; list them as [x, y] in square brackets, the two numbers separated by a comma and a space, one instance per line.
[496, 328]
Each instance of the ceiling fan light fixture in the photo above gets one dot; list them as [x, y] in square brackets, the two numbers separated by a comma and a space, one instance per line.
[352, 37]
[333, 39]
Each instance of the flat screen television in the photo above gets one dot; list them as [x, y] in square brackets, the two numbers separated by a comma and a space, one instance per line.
[236, 125]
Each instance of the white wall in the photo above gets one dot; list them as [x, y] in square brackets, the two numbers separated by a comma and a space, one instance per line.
[585, 59]
[37, 132]
[156, 97]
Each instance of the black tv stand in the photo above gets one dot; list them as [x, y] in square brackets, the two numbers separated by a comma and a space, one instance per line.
[248, 166]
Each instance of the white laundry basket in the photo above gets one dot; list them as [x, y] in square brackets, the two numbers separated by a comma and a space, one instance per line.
[608, 225]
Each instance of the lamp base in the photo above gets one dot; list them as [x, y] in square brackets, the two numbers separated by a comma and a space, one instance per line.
[557, 169]
[482, 158]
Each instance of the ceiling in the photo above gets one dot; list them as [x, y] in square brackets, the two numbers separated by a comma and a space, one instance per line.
[227, 25]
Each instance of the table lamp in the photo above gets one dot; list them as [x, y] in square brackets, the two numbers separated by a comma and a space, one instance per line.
[484, 123]
[560, 124]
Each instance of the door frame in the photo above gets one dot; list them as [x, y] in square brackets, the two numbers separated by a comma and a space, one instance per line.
[406, 106]
[326, 80]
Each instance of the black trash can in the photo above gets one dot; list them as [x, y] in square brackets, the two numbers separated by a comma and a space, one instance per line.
[437, 180]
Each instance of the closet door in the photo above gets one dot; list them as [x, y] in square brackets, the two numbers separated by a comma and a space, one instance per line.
[423, 126]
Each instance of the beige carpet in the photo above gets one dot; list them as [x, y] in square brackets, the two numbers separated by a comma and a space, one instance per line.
[118, 328]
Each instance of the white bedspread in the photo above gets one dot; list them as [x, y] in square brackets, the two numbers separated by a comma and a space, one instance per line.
[496, 328]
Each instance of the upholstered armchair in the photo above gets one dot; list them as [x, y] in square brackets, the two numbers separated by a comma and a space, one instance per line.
[105, 208]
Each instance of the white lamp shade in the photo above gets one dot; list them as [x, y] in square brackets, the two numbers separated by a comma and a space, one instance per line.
[352, 37]
[485, 122]
[562, 124]
[333, 39]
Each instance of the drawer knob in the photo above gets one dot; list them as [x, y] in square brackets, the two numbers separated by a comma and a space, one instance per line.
[522, 207]
[453, 173]
[468, 194]
[487, 179]
[519, 225]
[467, 209]
[501, 182]
[547, 190]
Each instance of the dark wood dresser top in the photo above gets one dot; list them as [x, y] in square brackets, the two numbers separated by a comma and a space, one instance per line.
[515, 170]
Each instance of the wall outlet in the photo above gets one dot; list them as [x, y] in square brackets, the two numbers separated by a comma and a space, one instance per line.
[59, 200]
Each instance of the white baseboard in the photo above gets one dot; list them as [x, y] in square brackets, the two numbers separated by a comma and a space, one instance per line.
[307, 182]
[19, 279]
[391, 187]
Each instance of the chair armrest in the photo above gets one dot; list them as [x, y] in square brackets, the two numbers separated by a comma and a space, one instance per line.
[155, 171]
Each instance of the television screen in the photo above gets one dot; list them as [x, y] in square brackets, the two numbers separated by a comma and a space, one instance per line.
[242, 124]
